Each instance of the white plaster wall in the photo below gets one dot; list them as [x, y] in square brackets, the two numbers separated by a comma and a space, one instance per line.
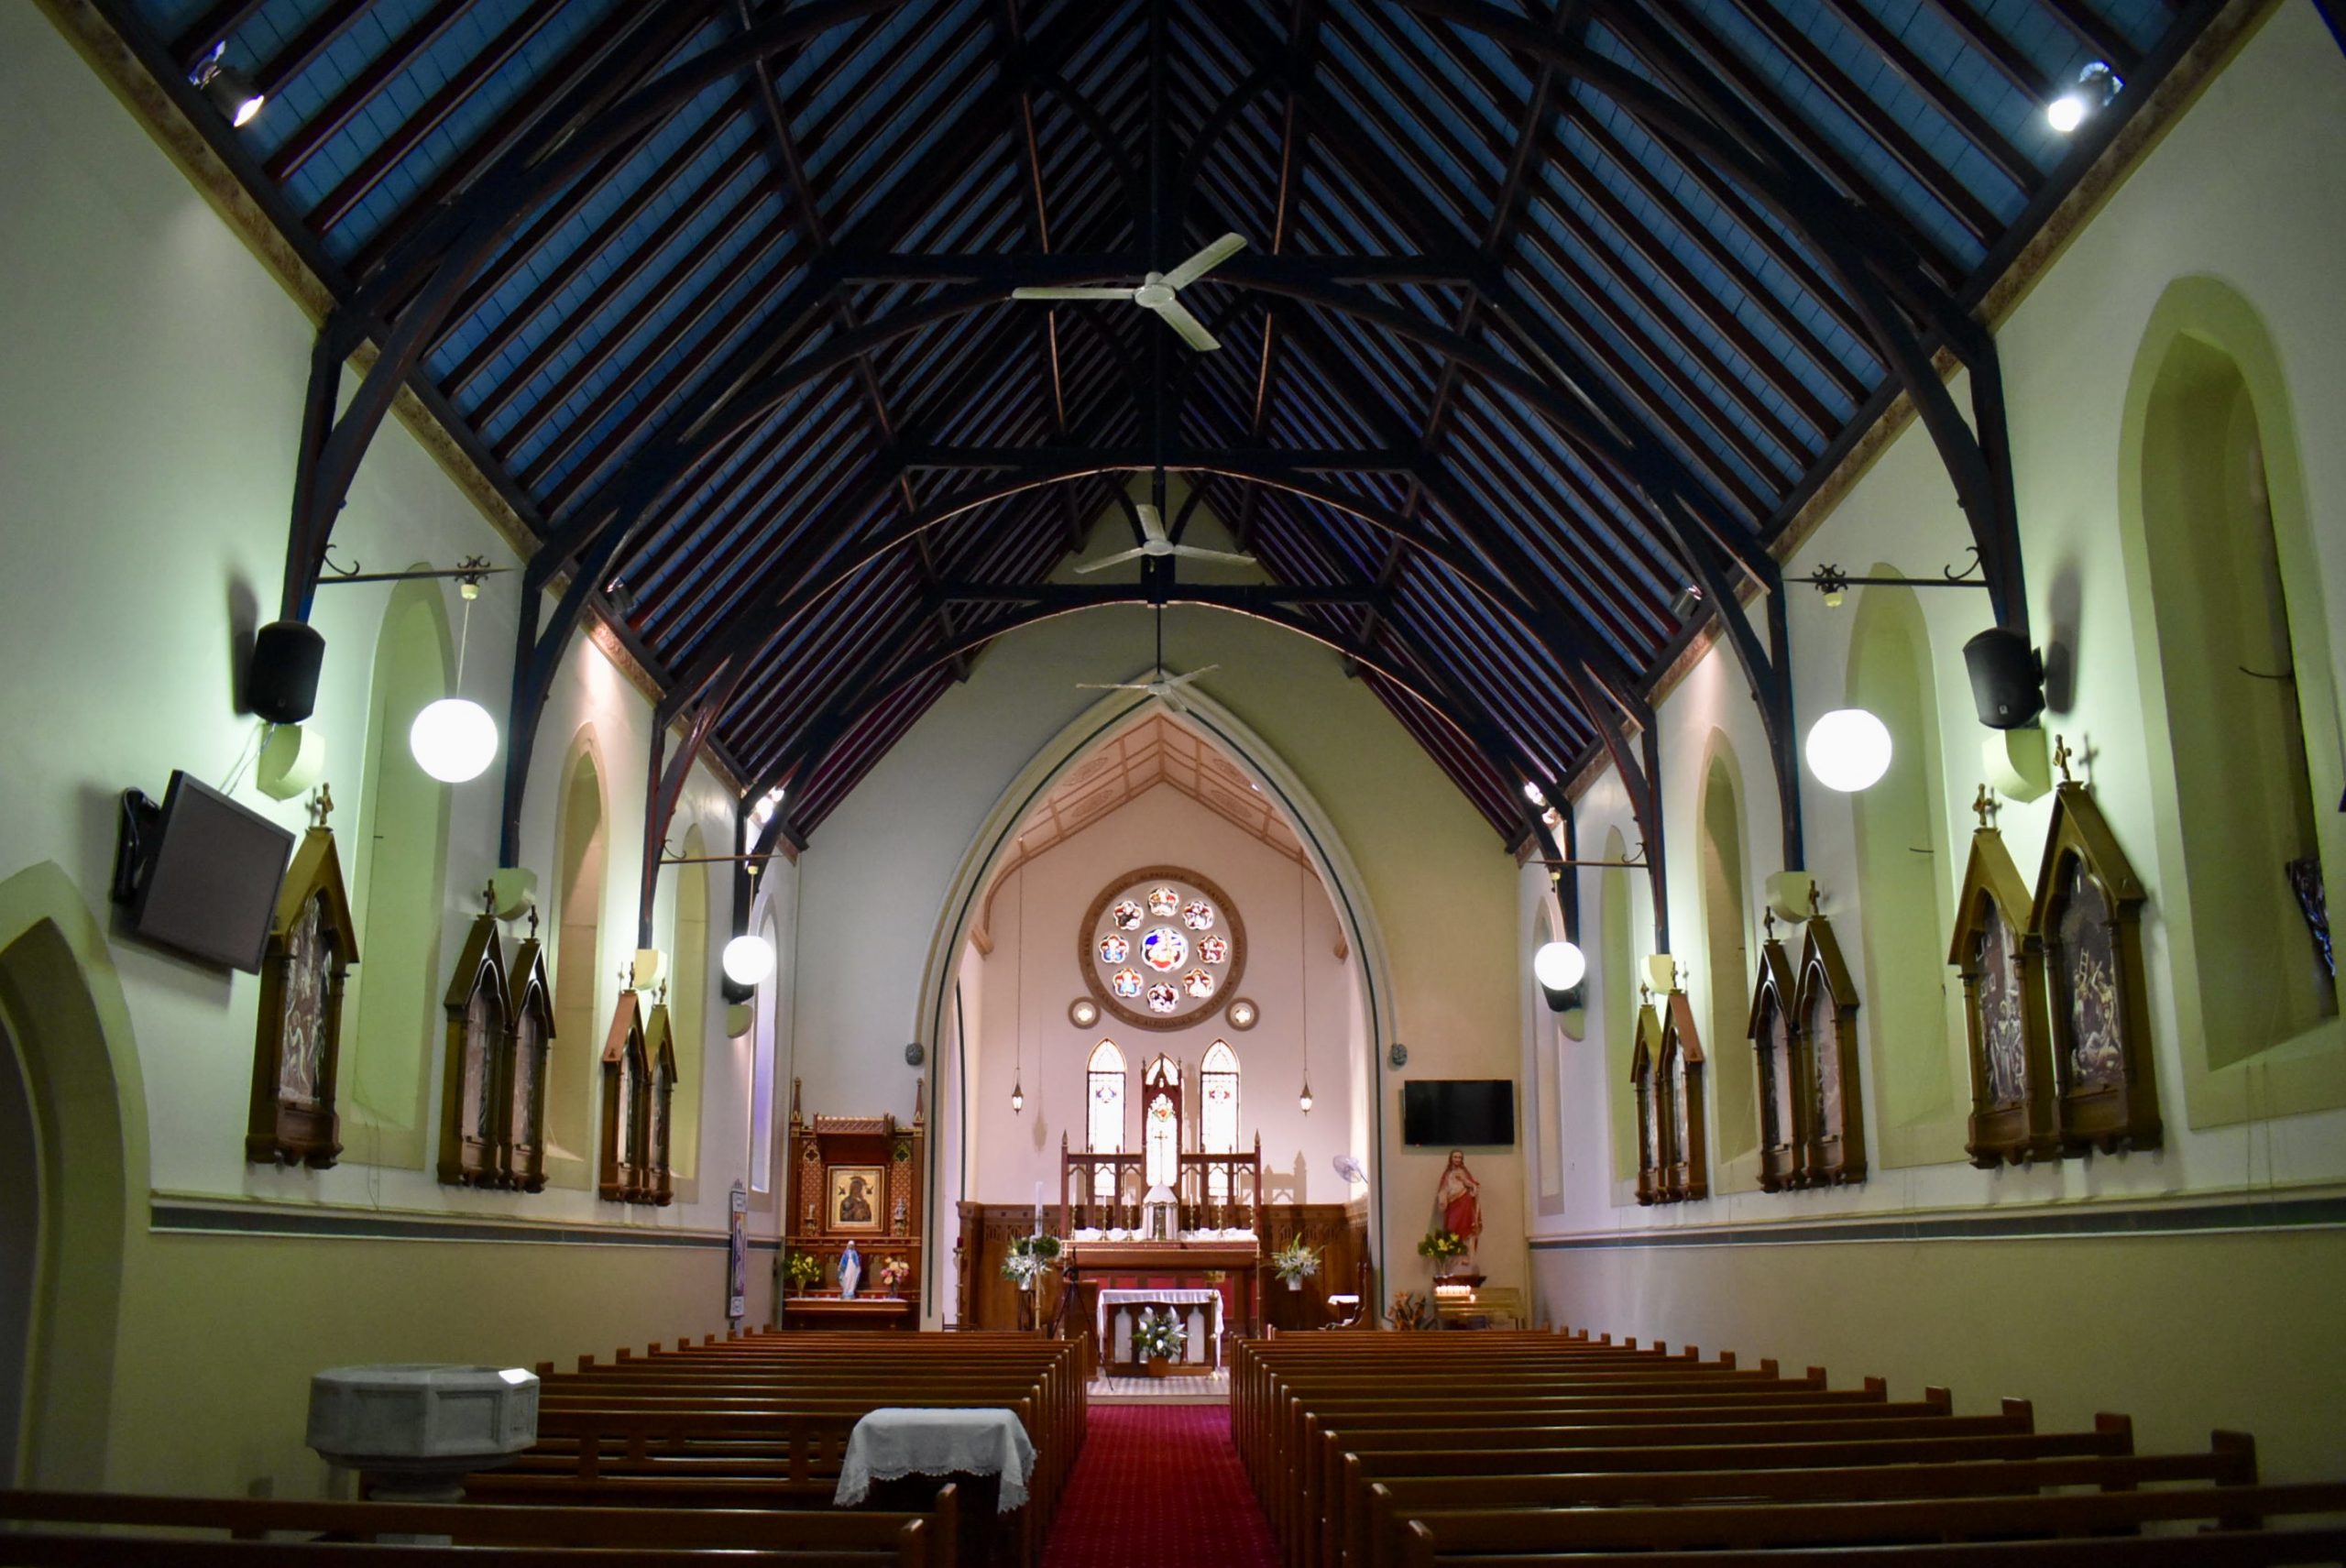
[1290, 943]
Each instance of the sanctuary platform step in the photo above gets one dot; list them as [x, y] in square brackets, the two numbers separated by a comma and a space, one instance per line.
[1213, 1388]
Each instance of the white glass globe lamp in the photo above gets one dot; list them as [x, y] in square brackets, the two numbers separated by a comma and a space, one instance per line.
[1847, 750]
[453, 740]
[1559, 966]
[748, 959]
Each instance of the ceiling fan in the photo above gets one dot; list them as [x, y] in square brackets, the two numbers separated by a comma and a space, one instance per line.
[1158, 292]
[1164, 688]
[1155, 544]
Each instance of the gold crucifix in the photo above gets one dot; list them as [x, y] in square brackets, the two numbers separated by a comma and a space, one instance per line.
[321, 804]
[2061, 755]
[1987, 806]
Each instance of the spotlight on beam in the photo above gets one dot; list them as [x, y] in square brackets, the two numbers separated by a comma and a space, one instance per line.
[231, 91]
[2096, 87]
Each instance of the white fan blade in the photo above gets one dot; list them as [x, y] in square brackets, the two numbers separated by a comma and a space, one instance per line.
[1193, 675]
[1106, 561]
[1204, 261]
[1193, 332]
[1071, 293]
[1108, 687]
[1152, 527]
[1199, 553]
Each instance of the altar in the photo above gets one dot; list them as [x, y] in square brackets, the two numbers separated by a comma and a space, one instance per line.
[1119, 1311]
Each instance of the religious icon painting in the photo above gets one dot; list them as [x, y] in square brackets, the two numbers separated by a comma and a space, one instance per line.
[1782, 1100]
[476, 1002]
[1826, 1008]
[625, 1163]
[856, 1194]
[2088, 918]
[1653, 1130]
[312, 941]
[2012, 1117]
[1160, 946]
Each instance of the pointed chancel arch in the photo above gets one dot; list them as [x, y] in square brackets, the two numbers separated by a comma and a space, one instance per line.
[399, 851]
[1726, 956]
[582, 836]
[1906, 888]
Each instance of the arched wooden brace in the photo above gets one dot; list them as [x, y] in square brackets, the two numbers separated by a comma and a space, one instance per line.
[1859, 251]
[497, 204]
[880, 683]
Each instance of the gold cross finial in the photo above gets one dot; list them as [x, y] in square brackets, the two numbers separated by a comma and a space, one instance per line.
[1815, 899]
[1987, 806]
[533, 920]
[1768, 922]
[320, 805]
[2061, 755]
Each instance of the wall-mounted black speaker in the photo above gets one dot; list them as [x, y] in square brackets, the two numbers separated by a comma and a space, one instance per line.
[2007, 678]
[283, 684]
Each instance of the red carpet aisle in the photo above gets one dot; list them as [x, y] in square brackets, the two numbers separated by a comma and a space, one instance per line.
[1159, 1487]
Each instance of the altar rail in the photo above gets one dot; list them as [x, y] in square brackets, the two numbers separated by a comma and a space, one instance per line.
[1104, 1191]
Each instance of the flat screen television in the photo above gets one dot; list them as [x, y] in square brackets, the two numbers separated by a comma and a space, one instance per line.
[200, 873]
[1458, 1111]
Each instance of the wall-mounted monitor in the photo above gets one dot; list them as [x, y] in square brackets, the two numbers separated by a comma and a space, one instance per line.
[1443, 1112]
[200, 873]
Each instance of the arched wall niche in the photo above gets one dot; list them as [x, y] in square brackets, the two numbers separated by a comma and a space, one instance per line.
[582, 838]
[688, 968]
[1906, 888]
[1726, 967]
[994, 843]
[62, 1007]
[392, 1000]
[1618, 981]
[2239, 702]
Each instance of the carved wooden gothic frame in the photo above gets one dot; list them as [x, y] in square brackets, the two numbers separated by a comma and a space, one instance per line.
[1783, 1093]
[627, 1075]
[281, 1128]
[529, 1024]
[2018, 1128]
[1653, 1143]
[2119, 1110]
[1679, 1069]
[466, 1157]
[658, 1184]
[1835, 1153]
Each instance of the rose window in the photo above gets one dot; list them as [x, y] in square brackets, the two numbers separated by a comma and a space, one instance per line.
[1161, 948]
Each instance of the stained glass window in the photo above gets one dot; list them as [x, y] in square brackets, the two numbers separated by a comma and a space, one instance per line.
[1163, 901]
[1198, 915]
[1115, 949]
[1163, 998]
[1197, 983]
[1214, 950]
[1162, 948]
[1104, 1112]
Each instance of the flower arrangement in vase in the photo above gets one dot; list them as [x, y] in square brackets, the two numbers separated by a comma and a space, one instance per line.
[1411, 1311]
[802, 1271]
[1029, 1259]
[1444, 1247]
[893, 1272]
[1295, 1263]
[1159, 1339]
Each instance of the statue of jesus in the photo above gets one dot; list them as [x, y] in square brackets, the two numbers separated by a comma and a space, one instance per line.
[1456, 1208]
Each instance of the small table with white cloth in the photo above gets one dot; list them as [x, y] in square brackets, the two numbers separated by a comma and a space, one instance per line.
[898, 1456]
[1200, 1310]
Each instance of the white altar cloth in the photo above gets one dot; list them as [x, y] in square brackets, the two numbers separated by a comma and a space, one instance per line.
[897, 1441]
[1120, 1349]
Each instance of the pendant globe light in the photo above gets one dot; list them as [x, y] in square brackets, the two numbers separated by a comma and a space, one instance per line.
[1018, 1007]
[1559, 967]
[455, 739]
[1303, 978]
[1847, 750]
[748, 959]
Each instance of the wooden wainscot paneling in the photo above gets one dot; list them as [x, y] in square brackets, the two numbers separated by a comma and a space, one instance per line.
[477, 1001]
[531, 1027]
[297, 1048]
[2003, 1005]
[1679, 1071]
[1827, 1045]
[1339, 1233]
[1783, 1093]
[2088, 919]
